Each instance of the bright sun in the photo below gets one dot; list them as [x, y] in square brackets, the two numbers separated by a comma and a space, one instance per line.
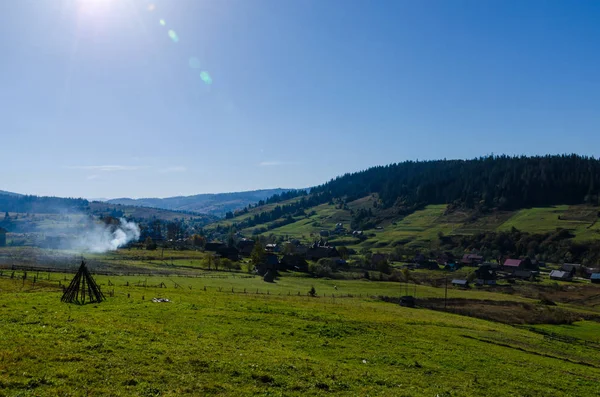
[94, 6]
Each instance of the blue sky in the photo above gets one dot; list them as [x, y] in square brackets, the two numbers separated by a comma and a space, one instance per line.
[98, 100]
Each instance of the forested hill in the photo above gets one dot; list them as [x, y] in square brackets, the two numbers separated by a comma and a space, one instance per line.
[41, 204]
[483, 184]
[500, 182]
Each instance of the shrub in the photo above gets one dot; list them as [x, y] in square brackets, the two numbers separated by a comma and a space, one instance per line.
[328, 262]
[320, 270]
[384, 266]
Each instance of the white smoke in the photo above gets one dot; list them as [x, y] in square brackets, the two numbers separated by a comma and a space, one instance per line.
[101, 238]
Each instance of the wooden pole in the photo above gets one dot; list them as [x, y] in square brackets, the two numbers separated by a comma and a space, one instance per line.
[445, 291]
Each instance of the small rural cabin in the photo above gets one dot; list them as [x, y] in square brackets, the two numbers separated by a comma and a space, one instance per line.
[537, 264]
[524, 274]
[588, 271]
[245, 246]
[595, 278]
[460, 283]
[271, 248]
[230, 253]
[570, 268]
[512, 265]
[561, 275]
[472, 259]
[3, 237]
[486, 271]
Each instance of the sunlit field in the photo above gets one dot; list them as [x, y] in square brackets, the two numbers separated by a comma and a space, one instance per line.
[225, 333]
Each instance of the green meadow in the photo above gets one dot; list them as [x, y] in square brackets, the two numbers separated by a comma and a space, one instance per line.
[421, 228]
[228, 334]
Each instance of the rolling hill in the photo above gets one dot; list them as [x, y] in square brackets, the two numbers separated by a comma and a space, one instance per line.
[215, 204]
[9, 193]
[25, 204]
[444, 204]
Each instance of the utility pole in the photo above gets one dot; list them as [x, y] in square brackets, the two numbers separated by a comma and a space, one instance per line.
[445, 291]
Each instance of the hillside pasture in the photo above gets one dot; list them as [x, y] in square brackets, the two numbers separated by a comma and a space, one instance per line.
[215, 342]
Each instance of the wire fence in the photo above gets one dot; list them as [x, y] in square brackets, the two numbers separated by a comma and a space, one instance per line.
[38, 278]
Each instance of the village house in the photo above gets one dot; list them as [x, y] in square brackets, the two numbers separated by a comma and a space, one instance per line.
[471, 259]
[595, 278]
[271, 248]
[524, 274]
[230, 253]
[486, 271]
[460, 283]
[588, 271]
[561, 275]
[571, 268]
[245, 246]
[512, 265]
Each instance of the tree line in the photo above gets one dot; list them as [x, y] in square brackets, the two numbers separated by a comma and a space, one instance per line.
[45, 205]
[492, 182]
[485, 183]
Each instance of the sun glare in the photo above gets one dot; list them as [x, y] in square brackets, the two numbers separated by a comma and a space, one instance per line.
[94, 7]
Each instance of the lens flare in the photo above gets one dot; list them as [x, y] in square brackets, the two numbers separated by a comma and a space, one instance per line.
[162, 22]
[194, 63]
[206, 77]
[173, 36]
[151, 7]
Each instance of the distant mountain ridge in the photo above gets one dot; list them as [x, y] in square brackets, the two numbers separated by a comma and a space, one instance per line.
[210, 203]
[9, 193]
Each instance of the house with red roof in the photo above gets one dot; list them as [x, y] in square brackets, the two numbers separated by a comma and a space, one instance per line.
[513, 265]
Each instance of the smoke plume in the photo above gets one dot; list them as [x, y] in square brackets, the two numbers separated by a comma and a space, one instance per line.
[101, 238]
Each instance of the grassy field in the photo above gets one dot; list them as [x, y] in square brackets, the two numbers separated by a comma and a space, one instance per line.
[587, 331]
[210, 340]
[421, 228]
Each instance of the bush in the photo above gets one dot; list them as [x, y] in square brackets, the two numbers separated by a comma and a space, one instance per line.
[320, 270]
[150, 244]
[328, 262]
[384, 267]
[229, 264]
